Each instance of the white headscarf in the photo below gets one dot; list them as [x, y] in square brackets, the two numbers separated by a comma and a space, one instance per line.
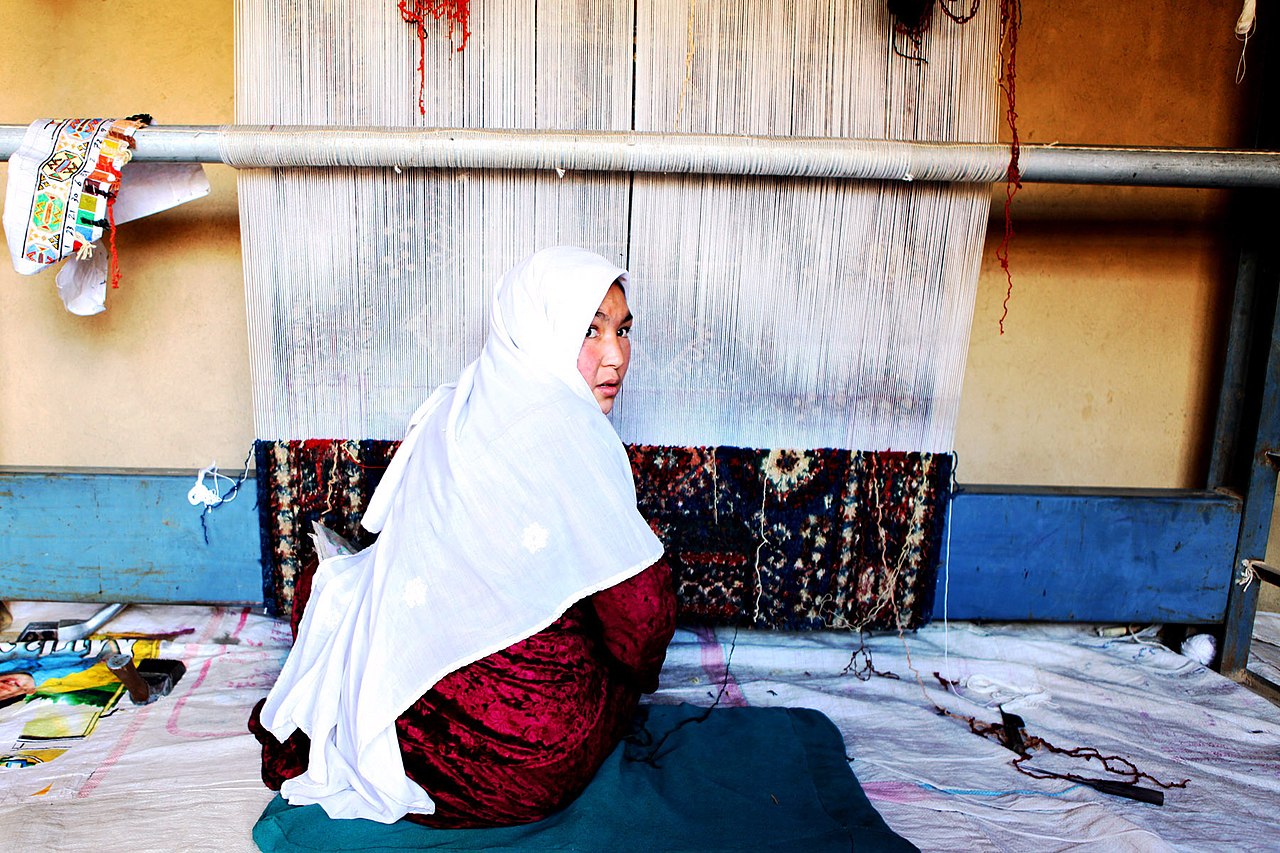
[510, 498]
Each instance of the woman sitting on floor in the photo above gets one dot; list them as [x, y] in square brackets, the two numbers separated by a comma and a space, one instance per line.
[479, 661]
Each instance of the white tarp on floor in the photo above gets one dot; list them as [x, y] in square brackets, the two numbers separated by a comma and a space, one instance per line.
[182, 773]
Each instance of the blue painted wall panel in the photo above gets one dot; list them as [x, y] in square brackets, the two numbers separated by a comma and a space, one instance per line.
[124, 537]
[1075, 555]
[1016, 554]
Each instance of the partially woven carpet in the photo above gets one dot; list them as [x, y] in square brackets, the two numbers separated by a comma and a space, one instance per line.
[794, 539]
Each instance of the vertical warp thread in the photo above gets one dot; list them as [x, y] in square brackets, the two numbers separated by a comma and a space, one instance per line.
[771, 312]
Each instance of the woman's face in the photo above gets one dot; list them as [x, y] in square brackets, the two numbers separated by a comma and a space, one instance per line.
[606, 351]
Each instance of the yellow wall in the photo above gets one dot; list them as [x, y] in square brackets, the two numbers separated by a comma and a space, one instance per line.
[1105, 375]
[161, 378]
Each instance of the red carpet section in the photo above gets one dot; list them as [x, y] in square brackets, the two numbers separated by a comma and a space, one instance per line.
[791, 539]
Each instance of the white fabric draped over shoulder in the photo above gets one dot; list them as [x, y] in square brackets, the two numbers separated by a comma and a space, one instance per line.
[510, 499]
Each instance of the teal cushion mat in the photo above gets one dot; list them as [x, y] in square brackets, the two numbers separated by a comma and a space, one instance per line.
[742, 779]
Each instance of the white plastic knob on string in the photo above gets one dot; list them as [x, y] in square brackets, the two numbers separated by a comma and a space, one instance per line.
[1201, 648]
[208, 496]
[1244, 28]
[1248, 16]
[203, 494]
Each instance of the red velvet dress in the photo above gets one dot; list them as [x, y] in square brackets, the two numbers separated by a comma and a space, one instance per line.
[515, 736]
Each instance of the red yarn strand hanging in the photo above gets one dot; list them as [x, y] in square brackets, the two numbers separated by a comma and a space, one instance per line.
[911, 19]
[959, 17]
[114, 264]
[1010, 21]
[416, 12]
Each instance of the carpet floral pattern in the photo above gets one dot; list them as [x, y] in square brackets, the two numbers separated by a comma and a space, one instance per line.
[791, 539]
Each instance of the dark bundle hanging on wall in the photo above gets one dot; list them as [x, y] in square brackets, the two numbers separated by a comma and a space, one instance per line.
[911, 21]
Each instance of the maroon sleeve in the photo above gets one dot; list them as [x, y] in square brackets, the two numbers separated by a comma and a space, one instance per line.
[280, 761]
[638, 618]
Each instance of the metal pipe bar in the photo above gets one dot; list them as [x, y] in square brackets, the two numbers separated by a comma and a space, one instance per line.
[248, 146]
[70, 630]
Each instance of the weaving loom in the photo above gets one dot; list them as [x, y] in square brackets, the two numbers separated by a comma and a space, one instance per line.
[348, 337]
[794, 401]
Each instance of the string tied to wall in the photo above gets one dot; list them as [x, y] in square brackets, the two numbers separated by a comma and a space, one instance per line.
[1245, 26]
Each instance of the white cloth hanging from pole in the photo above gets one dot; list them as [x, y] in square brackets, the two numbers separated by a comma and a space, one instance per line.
[65, 181]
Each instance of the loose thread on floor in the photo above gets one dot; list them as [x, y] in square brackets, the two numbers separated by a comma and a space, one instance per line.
[1114, 764]
[643, 738]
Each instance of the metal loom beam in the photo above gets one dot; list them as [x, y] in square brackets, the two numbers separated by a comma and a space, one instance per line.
[352, 147]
